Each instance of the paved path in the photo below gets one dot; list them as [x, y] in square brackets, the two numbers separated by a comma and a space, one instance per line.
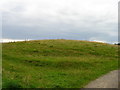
[109, 80]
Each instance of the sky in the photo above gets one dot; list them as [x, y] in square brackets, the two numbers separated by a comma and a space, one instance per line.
[92, 20]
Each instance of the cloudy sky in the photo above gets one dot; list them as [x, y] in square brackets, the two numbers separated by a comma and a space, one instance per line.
[94, 20]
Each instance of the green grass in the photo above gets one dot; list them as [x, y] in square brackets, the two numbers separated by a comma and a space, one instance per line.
[56, 63]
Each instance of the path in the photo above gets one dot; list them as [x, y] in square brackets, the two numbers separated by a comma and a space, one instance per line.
[109, 80]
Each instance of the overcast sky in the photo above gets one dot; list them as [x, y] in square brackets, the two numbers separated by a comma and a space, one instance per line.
[60, 19]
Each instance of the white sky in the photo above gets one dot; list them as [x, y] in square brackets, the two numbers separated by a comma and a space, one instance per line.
[68, 19]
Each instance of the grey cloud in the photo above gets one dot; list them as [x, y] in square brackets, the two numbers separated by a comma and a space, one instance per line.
[40, 22]
[55, 33]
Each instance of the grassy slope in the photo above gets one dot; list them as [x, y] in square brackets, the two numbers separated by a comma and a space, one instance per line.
[56, 63]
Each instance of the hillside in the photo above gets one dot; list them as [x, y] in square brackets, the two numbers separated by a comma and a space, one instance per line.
[56, 63]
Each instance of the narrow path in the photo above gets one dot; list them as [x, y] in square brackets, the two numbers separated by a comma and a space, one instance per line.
[109, 80]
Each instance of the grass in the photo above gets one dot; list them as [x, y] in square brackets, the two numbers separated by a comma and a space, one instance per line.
[56, 63]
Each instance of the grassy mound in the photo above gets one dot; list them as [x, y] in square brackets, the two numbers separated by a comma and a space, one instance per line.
[56, 63]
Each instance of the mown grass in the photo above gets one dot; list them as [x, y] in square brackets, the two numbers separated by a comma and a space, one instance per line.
[56, 63]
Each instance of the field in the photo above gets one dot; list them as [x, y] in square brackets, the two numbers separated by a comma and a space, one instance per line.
[56, 63]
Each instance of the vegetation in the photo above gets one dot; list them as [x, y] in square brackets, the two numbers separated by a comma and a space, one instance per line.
[56, 63]
[117, 43]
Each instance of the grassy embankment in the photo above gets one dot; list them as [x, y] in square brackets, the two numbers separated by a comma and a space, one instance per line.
[56, 63]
